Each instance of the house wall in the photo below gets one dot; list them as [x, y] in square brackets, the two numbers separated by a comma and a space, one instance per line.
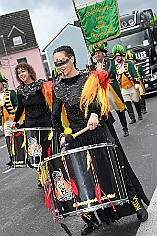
[33, 58]
[73, 37]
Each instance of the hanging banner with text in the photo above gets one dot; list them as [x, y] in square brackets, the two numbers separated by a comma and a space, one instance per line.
[100, 22]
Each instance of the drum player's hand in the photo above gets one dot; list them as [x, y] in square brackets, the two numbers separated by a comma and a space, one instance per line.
[93, 121]
[63, 142]
[12, 125]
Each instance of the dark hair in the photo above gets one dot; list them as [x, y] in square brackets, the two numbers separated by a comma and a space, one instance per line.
[68, 51]
[29, 68]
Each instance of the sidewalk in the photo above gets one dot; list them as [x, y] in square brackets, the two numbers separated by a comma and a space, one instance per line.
[149, 227]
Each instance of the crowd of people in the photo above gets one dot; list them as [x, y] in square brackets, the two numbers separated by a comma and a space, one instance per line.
[87, 99]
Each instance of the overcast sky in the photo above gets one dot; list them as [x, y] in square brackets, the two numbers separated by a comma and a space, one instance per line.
[50, 16]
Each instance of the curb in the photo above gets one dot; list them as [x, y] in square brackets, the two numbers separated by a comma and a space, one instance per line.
[149, 227]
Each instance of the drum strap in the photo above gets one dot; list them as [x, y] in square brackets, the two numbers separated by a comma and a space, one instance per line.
[98, 190]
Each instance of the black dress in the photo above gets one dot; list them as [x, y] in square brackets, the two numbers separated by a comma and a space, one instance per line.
[68, 92]
[31, 99]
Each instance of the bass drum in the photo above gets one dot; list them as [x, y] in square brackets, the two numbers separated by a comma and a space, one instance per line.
[86, 179]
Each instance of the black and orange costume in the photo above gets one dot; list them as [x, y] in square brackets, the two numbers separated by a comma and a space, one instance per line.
[32, 102]
[82, 96]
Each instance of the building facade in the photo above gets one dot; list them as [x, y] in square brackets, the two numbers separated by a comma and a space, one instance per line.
[70, 35]
[18, 44]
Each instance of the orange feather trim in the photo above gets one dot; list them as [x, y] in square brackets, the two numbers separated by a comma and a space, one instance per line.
[64, 119]
[96, 88]
[47, 90]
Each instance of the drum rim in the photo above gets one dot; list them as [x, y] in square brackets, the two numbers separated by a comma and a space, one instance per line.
[93, 208]
[35, 128]
[75, 150]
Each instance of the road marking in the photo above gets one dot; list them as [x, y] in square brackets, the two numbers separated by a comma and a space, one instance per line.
[149, 227]
[3, 146]
[6, 171]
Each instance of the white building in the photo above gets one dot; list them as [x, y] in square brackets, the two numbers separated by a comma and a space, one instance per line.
[70, 35]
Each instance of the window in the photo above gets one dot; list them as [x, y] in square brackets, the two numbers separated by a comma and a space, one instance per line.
[17, 41]
[24, 59]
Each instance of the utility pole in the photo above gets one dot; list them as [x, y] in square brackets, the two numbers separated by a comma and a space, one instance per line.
[6, 54]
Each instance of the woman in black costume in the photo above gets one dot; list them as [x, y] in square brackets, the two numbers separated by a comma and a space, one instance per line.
[32, 102]
[86, 107]
[31, 98]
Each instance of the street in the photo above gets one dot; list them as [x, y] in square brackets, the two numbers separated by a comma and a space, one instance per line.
[22, 204]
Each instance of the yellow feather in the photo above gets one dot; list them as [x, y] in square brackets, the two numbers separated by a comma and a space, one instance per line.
[88, 160]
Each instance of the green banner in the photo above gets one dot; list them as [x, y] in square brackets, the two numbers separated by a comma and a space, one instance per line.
[100, 22]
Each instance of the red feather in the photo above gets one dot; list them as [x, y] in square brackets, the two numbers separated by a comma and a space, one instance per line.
[102, 77]
[18, 134]
[48, 202]
[49, 150]
[73, 187]
[98, 192]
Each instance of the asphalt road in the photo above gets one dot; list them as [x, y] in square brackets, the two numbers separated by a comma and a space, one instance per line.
[22, 204]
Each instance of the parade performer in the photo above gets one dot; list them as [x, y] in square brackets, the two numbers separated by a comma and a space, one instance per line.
[128, 82]
[130, 55]
[99, 51]
[34, 99]
[8, 104]
[86, 102]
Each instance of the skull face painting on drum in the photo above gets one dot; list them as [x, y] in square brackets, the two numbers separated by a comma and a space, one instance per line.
[31, 145]
[86, 179]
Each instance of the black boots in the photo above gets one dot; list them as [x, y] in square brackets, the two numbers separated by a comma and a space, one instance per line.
[142, 213]
[39, 184]
[123, 122]
[89, 228]
[138, 109]
[91, 223]
[130, 112]
[10, 162]
[143, 104]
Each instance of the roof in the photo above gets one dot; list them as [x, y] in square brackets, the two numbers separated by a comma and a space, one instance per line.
[69, 24]
[20, 22]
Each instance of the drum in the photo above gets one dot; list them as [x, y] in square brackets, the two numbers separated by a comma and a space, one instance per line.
[86, 179]
[32, 145]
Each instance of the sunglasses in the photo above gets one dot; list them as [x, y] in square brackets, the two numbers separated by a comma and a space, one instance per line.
[62, 63]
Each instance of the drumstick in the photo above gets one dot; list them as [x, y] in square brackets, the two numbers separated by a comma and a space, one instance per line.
[80, 132]
[70, 137]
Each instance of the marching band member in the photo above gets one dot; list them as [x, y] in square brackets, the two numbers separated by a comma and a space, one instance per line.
[98, 51]
[8, 104]
[86, 103]
[128, 82]
[32, 94]
[130, 55]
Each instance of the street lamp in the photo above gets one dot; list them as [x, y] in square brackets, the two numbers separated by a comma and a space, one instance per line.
[6, 54]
